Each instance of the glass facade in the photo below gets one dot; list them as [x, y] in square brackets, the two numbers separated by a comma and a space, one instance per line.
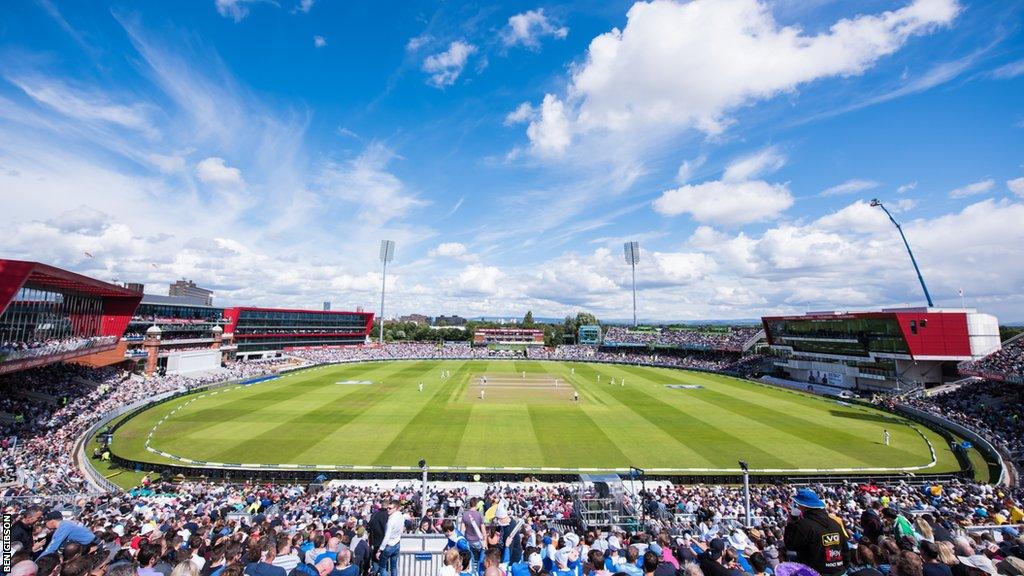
[43, 314]
[154, 312]
[280, 329]
[841, 337]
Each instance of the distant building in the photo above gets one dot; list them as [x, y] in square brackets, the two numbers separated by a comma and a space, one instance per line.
[590, 335]
[135, 287]
[189, 288]
[880, 349]
[449, 321]
[488, 336]
[418, 319]
[327, 306]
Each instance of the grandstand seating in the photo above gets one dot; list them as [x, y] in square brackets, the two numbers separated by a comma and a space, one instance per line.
[727, 339]
[1006, 364]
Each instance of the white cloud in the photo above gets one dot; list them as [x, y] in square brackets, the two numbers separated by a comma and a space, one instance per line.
[551, 132]
[760, 163]
[85, 105]
[857, 217]
[455, 250]
[1016, 186]
[366, 183]
[214, 171]
[417, 42]
[305, 5]
[528, 28]
[727, 203]
[479, 279]
[737, 198]
[319, 41]
[688, 167]
[688, 65]
[237, 10]
[1007, 71]
[904, 188]
[973, 189]
[168, 163]
[446, 67]
[850, 187]
[525, 111]
[449, 249]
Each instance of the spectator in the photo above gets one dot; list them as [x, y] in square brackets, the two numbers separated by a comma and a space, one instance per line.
[817, 538]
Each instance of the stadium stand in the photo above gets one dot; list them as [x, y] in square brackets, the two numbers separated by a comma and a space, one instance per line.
[722, 362]
[48, 314]
[728, 339]
[993, 409]
[188, 529]
[1004, 365]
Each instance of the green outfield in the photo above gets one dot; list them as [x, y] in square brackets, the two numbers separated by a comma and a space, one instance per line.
[373, 414]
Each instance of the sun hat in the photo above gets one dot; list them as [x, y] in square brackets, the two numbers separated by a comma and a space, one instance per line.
[979, 562]
[535, 560]
[806, 498]
[562, 557]
[738, 540]
[571, 540]
[614, 543]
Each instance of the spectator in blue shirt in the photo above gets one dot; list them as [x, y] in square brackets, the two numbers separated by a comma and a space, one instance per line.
[456, 539]
[65, 531]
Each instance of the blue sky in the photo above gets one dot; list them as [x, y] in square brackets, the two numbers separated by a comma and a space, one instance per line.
[264, 148]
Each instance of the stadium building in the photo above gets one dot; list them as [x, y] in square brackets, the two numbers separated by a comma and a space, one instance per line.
[520, 336]
[189, 335]
[888, 350]
[52, 315]
[259, 332]
[589, 335]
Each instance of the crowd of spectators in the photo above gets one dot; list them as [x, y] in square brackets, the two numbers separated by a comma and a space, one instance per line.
[202, 529]
[730, 339]
[48, 347]
[1007, 362]
[993, 409]
[36, 447]
[716, 361]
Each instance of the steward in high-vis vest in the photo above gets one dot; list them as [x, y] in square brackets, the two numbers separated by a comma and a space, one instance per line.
[818, 539]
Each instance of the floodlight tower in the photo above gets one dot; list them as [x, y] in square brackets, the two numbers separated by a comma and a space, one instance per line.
[387, 254]
[876, 203]
[632, 251]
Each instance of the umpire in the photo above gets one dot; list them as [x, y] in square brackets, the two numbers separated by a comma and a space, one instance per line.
[818, 539]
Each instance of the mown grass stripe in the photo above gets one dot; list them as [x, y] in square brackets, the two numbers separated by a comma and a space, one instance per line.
[437, 428]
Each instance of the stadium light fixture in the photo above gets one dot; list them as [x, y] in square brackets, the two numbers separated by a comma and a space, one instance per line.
[632, 252]
[423, 498]
[876, 203]
[746, 491]
[387, 254]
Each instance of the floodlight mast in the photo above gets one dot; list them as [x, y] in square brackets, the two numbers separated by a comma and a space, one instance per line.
[876, 203]
[632, 252]
[387, 254]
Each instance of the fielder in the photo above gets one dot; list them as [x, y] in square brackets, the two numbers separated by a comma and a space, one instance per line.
[885, 434]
